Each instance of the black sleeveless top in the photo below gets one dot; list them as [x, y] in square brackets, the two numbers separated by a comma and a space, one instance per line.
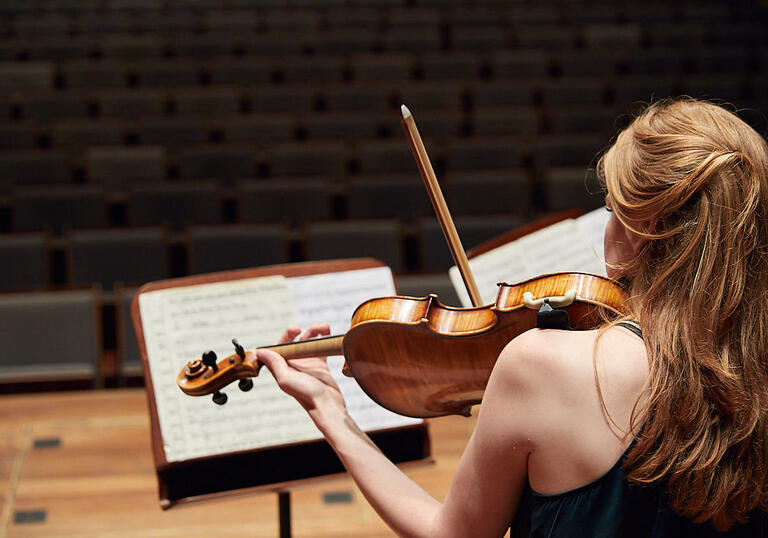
[612, 507]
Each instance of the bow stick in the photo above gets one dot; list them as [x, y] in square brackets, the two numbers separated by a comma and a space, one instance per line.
[438, 202]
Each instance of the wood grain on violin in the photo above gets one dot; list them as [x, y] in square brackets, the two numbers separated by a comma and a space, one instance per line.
[420, 358]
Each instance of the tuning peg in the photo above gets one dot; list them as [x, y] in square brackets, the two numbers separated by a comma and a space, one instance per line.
[245, 384]
[219, 398]
[238, 348]
[209, 359]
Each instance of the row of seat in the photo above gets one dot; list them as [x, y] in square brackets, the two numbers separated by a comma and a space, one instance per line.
[449, 94]
[267, 128]
[227, 162]
[90, 327]
[138, 255]
[326, 68]
[430, 37]
[52, 18]
[294, 200]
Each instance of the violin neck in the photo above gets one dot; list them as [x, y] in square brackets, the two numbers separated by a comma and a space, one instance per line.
[316, 347]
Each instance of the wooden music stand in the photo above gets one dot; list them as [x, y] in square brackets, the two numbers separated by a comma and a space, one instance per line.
[274, 468]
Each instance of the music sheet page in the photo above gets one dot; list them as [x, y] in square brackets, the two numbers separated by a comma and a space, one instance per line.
[568, 245]
[181, 323]
[332, 298]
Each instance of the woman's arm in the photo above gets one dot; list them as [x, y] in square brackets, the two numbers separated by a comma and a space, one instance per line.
[491, 473]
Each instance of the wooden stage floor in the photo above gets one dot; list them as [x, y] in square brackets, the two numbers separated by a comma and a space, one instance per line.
[79, 464]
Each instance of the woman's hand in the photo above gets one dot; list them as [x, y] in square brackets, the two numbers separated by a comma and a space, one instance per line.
[308, 380]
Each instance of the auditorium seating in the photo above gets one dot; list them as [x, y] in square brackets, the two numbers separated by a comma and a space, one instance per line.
[273, 125]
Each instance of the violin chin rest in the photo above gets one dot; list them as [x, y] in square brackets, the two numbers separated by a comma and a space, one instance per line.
[345, 370]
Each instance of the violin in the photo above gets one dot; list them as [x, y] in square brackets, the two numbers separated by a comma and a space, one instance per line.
[420, 358]
[414, 355]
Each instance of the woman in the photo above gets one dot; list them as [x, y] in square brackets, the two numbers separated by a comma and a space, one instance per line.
[617, 432]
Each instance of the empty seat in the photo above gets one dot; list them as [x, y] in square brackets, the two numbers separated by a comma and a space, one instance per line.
[575, 91]
[408, 39]
[662, 61]
[173, 131]
[259, 128]
[168, 72]
[313, 69]
[447, 94]
[378, 67]
[731, 88]
[239, 70]
[29, 166]
[676, 34]
[174, 205]
[520, 63]
[95, 73]
[568, 150]
[511, 120]
[473, 231]
[391, 156]
[131, 46]
[69, 323]
[481, 192]
[551, 37]
[613, 36]
[292, 200]
[589, 62]
[25, 260]
[19, 134]
[224, 162]
[345, 40]
[482, 154]
[307, 158]
[223, 248]
[380, 239]
[451, 65]
[210, 101]
[369, 97]
[19, 76]
[572, 187]
[121, 163]
[134, 256]
[502, 93]
[350, 126]
[49, 105]
[196, 45]
[79, 133]
[481, 38]
[59, 207]
[127, 346]
[388, 196]
[422, 285]
[132, 103]
[584, 119]
[643, 89]
[288, 98]
[726, 60]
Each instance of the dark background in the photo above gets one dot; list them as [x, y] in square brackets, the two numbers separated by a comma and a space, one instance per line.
[142, 140]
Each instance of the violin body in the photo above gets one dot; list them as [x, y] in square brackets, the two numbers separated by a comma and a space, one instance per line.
[420, 358]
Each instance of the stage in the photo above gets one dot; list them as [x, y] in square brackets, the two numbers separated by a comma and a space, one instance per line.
[79, 464]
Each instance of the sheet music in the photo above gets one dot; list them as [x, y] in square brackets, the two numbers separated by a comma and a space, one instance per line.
[568, 245]
[592, 226]
[332, 298]
[181, 323]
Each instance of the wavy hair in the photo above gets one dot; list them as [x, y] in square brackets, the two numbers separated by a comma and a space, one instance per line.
[691, 178]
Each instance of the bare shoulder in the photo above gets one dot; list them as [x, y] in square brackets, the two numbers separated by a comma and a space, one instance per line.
[566, 357]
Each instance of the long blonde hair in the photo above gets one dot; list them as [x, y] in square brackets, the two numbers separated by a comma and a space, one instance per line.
[692, 178]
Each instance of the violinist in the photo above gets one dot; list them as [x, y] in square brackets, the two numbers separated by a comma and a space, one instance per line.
[655, 424]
